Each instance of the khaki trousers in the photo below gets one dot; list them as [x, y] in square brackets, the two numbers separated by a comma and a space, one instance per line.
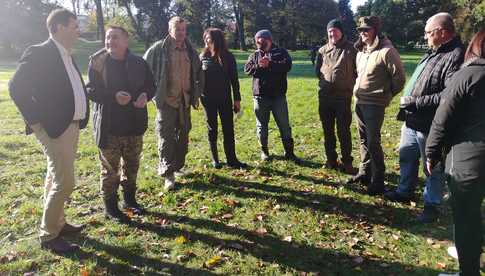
[59, 181]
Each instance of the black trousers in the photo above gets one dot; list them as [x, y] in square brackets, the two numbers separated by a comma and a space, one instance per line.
[369, 123]
[336, 112]
[466, 201]
[224, 110]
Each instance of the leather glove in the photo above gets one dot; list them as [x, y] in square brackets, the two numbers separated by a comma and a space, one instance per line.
[408, 103]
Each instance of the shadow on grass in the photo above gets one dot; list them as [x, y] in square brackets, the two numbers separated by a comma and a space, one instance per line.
[352, 210]
[130, 262]
[272, 249]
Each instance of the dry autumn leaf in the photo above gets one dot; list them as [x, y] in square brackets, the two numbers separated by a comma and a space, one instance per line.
[288, 238]
[227, 216]
[261, 231]
[181, 240]
[213, 262]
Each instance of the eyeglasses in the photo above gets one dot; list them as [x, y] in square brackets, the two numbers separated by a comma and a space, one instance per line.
[426, 33]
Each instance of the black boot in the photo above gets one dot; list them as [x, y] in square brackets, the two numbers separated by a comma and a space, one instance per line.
[215, 155]
[289, 146]
[111, 210]
[130, 201]
[230, 151]
[265, 153]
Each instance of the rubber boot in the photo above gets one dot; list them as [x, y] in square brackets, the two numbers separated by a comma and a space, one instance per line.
[130, 201]
[289, 146]
[111, 210]
[215, 155]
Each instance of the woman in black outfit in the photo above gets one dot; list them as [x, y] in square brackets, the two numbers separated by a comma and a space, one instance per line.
[220, 71]
[459, 129]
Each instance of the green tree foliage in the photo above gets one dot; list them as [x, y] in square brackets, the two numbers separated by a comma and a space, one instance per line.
[347, 17]
[22, 22]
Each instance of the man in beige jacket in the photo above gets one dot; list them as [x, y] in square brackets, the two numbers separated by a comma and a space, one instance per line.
[380, 76]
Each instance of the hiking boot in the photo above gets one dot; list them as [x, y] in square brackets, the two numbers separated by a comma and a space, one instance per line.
[265, 153]
[69, 229]
[112, 211]
[331, 164]
[236, 164]
[430, 214]
[169, 182]
[395, 196]
[359, 178]
[59, 246]
[130, 201]
[375, 189]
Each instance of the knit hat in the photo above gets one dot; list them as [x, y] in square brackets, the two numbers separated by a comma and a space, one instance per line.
[335, 23]
[266, 34]
[368, 22]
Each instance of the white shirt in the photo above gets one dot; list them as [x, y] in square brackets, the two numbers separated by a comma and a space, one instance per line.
[77, 85]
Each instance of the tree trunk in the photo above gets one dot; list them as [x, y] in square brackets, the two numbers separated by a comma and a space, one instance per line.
[99, 20]
[238, 13]
[139, 31]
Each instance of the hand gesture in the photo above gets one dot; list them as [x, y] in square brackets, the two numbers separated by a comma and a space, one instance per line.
[263, 62]
[141, 101]
[122, 97]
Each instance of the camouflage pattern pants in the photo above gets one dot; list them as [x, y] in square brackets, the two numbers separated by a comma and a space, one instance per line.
[120, 160]
[173, 127]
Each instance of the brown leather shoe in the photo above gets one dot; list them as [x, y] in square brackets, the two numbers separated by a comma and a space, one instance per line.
[59, 246]
[71, 229]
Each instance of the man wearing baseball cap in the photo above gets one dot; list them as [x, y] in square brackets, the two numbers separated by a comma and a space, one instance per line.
[269, 66]
[336, 72]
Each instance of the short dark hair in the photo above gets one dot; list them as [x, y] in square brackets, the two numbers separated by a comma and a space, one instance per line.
[58, 16]
[115, 27]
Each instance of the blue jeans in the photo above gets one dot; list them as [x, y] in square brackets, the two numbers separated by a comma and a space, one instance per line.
[263, 106]
[411, 148]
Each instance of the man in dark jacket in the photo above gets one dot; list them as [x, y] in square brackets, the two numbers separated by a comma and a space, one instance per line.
[418, 106]
[49, 93]
[336, 72]
[120, 84]
[269, 66]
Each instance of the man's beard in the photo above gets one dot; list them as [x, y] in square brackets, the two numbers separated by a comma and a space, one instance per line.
[262, 45]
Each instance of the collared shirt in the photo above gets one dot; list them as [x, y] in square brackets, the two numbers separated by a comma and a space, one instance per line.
[179, 76]
[75, 79]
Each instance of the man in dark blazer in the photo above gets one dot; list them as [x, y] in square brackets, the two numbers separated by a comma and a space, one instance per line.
[50, 94]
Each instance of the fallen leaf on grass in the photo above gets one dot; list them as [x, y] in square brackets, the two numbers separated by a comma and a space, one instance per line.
[227, 216]
[181, 240]
[10, 256]
[231, 202]
[261, 231]
[276, 207]
[288, 238]
[185, 203]
[162, 222]
[83, 272]
[259, 217]
[441, 265]
[213, 262]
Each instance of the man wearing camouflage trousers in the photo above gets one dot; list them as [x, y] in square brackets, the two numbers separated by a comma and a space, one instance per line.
[120, 84]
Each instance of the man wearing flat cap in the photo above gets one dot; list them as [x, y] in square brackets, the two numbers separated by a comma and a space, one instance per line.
[380, 76]
[336, 72]
[268, 66]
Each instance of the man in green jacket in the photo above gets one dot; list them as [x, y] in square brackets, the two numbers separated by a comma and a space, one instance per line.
[177, 71]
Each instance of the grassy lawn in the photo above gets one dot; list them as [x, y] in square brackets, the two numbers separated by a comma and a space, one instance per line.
[274, 218]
